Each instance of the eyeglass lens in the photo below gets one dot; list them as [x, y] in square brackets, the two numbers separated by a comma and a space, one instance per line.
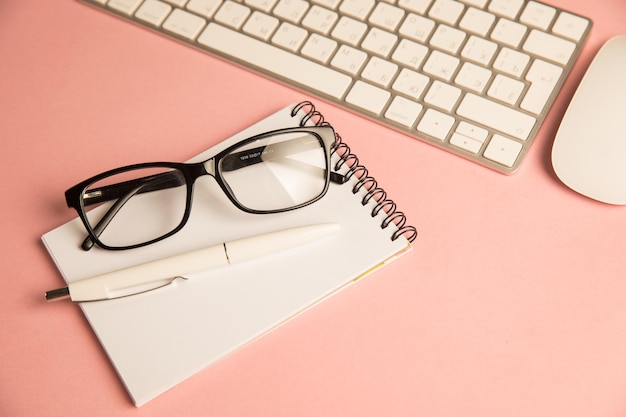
[277, 172]
[138, 215]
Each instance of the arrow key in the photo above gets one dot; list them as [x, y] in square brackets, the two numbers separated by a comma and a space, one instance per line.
[503, 150]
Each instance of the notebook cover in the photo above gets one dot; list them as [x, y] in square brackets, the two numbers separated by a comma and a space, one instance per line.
[158, 339]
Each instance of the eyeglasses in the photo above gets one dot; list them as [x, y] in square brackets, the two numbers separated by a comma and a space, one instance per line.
[141, 204]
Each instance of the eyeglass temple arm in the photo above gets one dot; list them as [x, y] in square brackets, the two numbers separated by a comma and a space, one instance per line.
[106, 219]
[238, 160]
[123, 192]
[137, 186]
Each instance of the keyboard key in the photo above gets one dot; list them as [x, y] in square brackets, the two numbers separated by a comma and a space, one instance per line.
[349, 59]
[538, 15]
[153, 12]
[261, 25]
[417, 6]
[549, 46]
[184, 24]
[505, 89]
[570, 26]
[368, 97]
[125, 6]
[473, 77]
[232, 14]
[320, 19]
[506, 8]
[411, 83]
[379, 42]
[503, 150]
[442, 95]
[496, 116]
[477, 21]
[263, 5]
[178, 3]
[290, 36]
[267, 57]
[479, 50]
[379, 71]
[543, 77]
[471, 131]
[357, 9]
[410, 53]
[386, 16]
[205, 8]
[463, 142]
[417, 27]
[291, 10]
[508, 32]
[447, 39]
[446, 11]
[403, 111]
[441, 65]
[476, 3]
[319, 48]
[349, 30]
[511, 62]
[436, 124]
[329, 4]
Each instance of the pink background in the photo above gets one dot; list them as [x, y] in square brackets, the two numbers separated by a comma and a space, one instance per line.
[512, 303]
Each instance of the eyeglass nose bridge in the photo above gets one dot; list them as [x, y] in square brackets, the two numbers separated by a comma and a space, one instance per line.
[193, 171]
[209, 167]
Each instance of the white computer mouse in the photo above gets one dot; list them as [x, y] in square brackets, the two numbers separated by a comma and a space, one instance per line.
[589, 151]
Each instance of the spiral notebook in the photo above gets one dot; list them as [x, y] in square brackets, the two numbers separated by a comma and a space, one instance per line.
[158, 339]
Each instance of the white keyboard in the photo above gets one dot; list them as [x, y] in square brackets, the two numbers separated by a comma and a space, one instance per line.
[475, 77]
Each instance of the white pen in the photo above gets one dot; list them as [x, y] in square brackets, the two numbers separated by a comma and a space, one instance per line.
[155, 274]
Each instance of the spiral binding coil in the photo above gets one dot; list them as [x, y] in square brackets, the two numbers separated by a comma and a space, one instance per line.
[346, 157]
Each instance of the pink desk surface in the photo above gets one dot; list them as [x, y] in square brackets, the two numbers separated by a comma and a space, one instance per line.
[512, 303]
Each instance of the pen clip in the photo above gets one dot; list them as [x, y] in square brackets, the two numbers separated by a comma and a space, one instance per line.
[139, 289]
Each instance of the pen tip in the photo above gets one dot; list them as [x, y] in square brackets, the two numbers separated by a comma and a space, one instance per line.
[58, 294]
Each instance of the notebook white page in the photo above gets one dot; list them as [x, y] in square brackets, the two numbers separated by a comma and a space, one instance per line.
[158, 339]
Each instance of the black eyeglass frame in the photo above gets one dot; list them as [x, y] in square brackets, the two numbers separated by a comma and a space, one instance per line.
[75, 196]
